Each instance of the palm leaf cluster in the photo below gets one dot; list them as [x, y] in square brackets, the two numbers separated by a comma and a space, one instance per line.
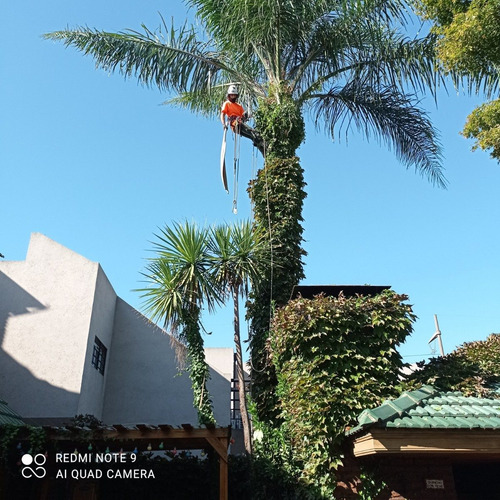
[199, 266]
[179, 276]
[345, 61]
[193, 268]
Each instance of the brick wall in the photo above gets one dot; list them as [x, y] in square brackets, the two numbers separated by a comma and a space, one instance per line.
[411, 478]
[407, 478]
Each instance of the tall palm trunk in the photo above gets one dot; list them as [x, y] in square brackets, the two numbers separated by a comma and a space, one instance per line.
[245, 420]
[278, 195]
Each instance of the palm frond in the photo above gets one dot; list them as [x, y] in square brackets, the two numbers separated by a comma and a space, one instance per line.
[162, 298]
[207, 101]
[399, 61]
[203, 102]
[184, 246]
[388, 115]
[258, 28]
[344, 48]
[170, 59]
[237, 255]
[345, 55]
[485, 81]
[221, 249]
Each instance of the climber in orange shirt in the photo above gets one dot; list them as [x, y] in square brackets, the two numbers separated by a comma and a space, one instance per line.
[236, 116]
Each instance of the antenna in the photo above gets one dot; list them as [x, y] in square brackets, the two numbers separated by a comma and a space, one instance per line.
[437, 335]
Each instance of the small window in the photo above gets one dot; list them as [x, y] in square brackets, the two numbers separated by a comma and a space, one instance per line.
[99, 356]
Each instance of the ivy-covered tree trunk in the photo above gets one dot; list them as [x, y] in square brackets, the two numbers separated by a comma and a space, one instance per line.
[198, 369]
[277, 194]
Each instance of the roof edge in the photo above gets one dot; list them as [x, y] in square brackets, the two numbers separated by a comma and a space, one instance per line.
[392, 408]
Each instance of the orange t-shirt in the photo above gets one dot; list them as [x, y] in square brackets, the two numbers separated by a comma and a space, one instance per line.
[232, 109]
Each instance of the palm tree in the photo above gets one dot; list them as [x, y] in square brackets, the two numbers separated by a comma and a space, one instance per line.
[346, 62]
[237, 254]
[179, 282]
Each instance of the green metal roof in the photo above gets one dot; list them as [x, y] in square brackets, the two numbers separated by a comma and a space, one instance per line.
[9, 416]
[427, 408]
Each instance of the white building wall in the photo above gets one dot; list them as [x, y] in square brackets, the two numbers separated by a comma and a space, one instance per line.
[221, 359]
[51, 308]
[101, 326]
[43, 346]
[144, 383]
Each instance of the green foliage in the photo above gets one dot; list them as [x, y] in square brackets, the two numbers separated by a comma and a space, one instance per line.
[342, 55]
[470, 43]
[371, 486]
[441, 11]
[469, 34]
[260, 478]
[278, 195]
[16, 440]
[272, 470]
[483, 124]
[473, 369]
[196, 266]
[280, 123]
[469, 48]
[272, 442]
[199, 372]
[86, 420]
[238, 254]
[34, 439]
[334, 357]
[8, 434]
[350, 63]
[37, 438]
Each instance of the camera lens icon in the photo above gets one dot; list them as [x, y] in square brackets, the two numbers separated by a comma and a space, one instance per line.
[37, 471]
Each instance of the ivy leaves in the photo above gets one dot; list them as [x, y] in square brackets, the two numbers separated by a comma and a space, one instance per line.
[280, 122]
[473, 368]
[334, 357]
[278, 195]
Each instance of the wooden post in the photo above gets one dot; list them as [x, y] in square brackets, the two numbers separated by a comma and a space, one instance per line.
[223, 487]
[220, 446]
[44, 489]
[3, 483]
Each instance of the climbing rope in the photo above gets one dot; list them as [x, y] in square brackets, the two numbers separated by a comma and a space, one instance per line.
[254, 168]
[236, 166]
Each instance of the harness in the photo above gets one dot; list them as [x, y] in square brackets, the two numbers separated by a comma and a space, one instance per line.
[235, 120]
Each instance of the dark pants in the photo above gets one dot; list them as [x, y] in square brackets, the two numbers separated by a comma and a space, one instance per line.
[244, 130]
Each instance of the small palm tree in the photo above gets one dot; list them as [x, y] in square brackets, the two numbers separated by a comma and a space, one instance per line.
[179, 282]
[237, 253]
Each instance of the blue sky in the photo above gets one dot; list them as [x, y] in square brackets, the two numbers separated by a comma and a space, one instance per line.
[96, 163]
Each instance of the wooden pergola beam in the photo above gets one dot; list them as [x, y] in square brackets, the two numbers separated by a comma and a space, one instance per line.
[185, 438]
[153, 433]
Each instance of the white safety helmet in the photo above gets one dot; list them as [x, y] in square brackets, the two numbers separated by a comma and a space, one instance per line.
[232, 89]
